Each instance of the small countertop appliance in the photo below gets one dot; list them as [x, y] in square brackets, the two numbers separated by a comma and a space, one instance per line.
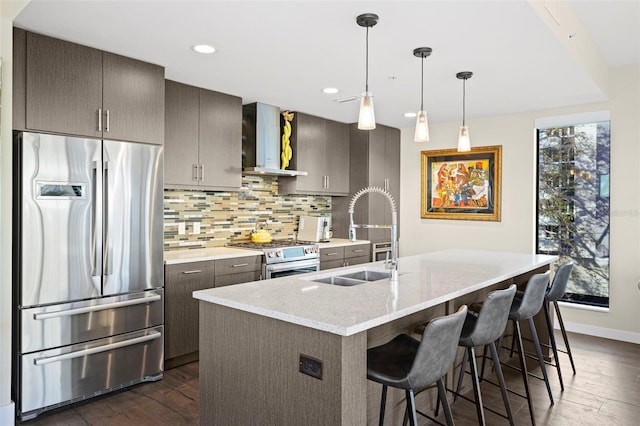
[314, 228]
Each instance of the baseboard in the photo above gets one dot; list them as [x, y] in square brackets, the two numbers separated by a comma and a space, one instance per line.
[8, 414]
[607, 333]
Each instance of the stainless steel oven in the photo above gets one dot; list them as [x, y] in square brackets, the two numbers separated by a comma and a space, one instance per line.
[381, 251]
[286, 269]
[286, 257]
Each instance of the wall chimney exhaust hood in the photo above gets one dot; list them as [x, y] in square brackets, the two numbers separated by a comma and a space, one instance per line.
[261, 140]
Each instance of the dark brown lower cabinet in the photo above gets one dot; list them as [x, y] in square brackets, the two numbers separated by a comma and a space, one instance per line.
[337, 257]
[181, 309]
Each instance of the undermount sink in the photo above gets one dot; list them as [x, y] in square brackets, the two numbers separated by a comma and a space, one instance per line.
[349, 279]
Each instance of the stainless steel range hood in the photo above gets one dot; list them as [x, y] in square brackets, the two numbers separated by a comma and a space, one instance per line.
[261, 141]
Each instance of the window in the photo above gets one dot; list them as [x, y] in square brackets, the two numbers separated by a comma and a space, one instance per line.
[573, 204]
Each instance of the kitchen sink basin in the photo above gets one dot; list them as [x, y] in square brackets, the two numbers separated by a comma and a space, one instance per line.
[348, 279]
[367, 275]
[338, 280]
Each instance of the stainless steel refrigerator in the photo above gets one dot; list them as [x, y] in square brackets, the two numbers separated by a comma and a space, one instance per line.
[88, 268]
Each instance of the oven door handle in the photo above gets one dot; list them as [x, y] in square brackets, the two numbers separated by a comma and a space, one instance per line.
[278, 267]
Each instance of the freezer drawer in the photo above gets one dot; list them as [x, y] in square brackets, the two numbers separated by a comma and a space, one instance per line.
[61, 376]
[70, 323]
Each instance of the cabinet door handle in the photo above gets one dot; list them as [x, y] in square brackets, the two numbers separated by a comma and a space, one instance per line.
[239, 265]
[106, 126]
[201, 171]
[327, 187]
[99, 119]
[194, 271]
[194, 172]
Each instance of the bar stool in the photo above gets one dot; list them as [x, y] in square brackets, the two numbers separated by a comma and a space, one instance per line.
[412, 365]
[525, 306]
[483, 329]
[554, 293]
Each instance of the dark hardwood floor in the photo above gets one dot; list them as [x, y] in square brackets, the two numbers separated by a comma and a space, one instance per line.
[605, 391]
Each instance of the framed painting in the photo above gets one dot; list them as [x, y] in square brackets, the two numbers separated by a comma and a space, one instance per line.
[461, 185]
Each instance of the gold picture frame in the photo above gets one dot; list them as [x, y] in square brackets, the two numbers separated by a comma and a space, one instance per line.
[461, 185]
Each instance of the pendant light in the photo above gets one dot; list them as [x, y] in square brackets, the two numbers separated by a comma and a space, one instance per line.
[367, 119]
[422, 126]
[464, 144]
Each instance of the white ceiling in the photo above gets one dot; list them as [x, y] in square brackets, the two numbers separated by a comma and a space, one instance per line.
[283, 53]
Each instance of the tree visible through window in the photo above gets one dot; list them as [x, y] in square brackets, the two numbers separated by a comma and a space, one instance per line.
[573, 205]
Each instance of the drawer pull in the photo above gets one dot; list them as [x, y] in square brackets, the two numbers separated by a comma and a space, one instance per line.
[95, 308]
[358, 251]
[239, 265]
[96, 350]
[332, 254]
[195, 271]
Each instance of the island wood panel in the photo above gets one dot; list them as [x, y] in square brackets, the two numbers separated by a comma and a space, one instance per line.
[255, 378]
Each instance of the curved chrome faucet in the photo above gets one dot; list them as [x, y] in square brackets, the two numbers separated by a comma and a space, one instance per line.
[394, 226]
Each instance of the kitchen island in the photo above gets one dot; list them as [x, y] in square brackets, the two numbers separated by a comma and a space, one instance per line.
[292, 351]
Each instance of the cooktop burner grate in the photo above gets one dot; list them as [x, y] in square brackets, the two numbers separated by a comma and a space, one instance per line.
[272, 244]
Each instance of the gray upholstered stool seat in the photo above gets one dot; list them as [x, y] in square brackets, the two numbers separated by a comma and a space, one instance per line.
[525, 306]
[483, 329]
[412, 365]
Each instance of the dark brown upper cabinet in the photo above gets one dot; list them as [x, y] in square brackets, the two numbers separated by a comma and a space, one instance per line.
[203, 139]
[76, 90]
[321, 148]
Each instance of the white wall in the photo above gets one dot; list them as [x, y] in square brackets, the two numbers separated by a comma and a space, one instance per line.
[516, 232]
[8, 10]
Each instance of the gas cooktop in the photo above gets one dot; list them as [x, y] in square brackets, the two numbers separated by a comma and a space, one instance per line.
[272, 244]
[280, 251]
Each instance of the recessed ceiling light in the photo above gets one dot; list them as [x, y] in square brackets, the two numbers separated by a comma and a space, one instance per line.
[204, 48]
[330, 90]
[410, 114]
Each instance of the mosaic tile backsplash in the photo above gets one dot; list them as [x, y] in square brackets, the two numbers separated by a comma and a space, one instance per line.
[194, 219]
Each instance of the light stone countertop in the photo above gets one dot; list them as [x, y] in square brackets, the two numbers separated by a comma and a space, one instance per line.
[213, 253]
[173, 257]
[425, 280]
[341, 242]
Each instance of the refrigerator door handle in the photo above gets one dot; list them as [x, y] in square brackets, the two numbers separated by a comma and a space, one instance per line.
[77, 354]
[107, 262]
[96, 234]
[94, 308]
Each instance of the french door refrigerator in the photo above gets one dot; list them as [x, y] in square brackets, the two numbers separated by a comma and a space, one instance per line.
[88, 268]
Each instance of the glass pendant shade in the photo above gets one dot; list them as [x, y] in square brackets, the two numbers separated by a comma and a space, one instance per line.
[464, 144]
[367, 117]
[422, 128]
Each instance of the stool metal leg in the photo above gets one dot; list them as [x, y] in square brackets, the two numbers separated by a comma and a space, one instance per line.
[503, 386]
[411, 405]
[523, 369]
[476, 386]
[564, 335]
[554, 346]
[463, 366]
[383, 402]
[536, 343]
[442, 393]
